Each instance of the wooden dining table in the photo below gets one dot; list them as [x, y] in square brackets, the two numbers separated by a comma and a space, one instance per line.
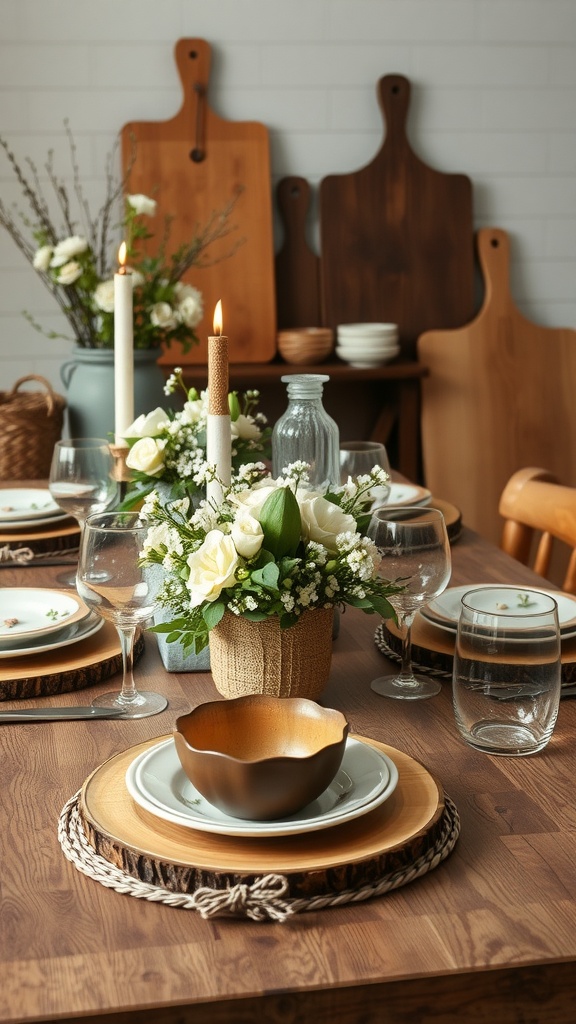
[489, 935]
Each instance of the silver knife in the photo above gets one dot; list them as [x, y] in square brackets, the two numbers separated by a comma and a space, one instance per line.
[63, 714]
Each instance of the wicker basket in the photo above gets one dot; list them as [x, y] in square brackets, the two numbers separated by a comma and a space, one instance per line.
[30, 424]
[259, 657]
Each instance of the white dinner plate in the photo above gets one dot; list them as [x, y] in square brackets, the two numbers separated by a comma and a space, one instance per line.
[32, 524]
[408, 494]
[37, 612]
[158, 783]
[444, 611]
[26, 504]
[68, 635]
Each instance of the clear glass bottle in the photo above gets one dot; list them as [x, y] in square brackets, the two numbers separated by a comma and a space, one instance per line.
[305, 432]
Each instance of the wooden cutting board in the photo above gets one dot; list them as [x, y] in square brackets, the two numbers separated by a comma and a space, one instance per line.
[397, 236]
[297, 266]
[194, 164]
[499, 396]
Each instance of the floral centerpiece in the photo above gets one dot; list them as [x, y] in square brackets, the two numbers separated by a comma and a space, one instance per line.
[272, 549]
[75, 259]
[168, 448]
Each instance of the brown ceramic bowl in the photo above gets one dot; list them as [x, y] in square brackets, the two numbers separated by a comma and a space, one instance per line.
[261, 758]
[305, 345]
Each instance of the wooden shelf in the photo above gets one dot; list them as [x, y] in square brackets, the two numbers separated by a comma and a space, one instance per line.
[380, 403]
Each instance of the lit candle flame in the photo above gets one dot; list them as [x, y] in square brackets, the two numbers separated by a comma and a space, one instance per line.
[122, 257]
[218, 318]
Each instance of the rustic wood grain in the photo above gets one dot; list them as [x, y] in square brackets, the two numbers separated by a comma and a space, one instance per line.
[397, 239]
[434, 647]
[194, 165]
[320, 863]
[489, 937]
[297, 266]
[73, 667]
[499, 397]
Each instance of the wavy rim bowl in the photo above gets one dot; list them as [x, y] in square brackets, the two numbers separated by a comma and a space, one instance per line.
[261, 758]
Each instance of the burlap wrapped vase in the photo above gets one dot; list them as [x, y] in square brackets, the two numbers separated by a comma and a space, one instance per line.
[259, 657]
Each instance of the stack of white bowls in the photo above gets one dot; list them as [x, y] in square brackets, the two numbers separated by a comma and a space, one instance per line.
[366, 345]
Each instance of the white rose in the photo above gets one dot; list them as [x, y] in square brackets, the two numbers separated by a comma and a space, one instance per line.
[247, 535]
[245, 428]
[42, 258]
[253, 499]
[142, 204]
[68, 247]
[193, 412]
[162, 315]
[212, 567]
[190, 312]
[148, 424]
[69, 273]
[104, 296]
[146, 456]
[322, 521]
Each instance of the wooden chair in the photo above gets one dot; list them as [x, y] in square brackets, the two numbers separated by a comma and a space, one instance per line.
[538, 511]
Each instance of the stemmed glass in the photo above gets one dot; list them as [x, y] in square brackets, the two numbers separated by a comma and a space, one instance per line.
[358, 458]
[415, 548]
[113, 583]
[82, 480]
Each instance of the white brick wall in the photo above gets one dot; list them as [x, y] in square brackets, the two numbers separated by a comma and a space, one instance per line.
[493, 96]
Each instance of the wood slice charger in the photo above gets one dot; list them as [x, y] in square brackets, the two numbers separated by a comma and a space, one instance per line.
[433, 648]
[70, 668]
[330, 861]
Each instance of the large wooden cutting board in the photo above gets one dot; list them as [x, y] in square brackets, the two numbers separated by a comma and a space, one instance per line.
[397, 238]
[194, 164]
[499, 396]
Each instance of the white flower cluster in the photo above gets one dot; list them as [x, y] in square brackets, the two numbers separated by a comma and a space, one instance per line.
[171, 447]
[239, 557]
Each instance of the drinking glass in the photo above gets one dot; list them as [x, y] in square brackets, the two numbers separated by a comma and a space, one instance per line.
[358, 458]
[113, 583]
[415, 550]
[81, 479]
[507, 678]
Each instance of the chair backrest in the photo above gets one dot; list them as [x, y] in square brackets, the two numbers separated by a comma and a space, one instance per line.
[538, 511]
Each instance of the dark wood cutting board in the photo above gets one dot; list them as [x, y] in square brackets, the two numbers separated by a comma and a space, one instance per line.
[297, 266]
[194, 164]
[397, 239]
[499, 396]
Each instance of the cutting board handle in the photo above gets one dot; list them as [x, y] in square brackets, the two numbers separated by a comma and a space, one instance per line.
[394, 100]
[193, 63]
[493, 247]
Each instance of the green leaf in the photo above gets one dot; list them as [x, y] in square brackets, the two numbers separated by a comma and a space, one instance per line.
[267, 576]
[213, 612]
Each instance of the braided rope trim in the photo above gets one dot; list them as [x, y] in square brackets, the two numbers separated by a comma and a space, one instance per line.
[265, 899]
[384, 648]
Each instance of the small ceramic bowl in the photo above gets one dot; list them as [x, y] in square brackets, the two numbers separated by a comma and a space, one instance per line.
[261, 758]
[305, 345]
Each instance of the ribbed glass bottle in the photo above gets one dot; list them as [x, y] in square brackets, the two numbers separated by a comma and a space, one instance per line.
[306, 433]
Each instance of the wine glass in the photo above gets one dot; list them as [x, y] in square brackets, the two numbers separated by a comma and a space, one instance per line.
[112, 582]
[82, 480]
[415, 549]
[358, 458]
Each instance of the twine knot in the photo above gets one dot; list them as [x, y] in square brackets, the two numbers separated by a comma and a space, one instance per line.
[259, 901]
[20, 555]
